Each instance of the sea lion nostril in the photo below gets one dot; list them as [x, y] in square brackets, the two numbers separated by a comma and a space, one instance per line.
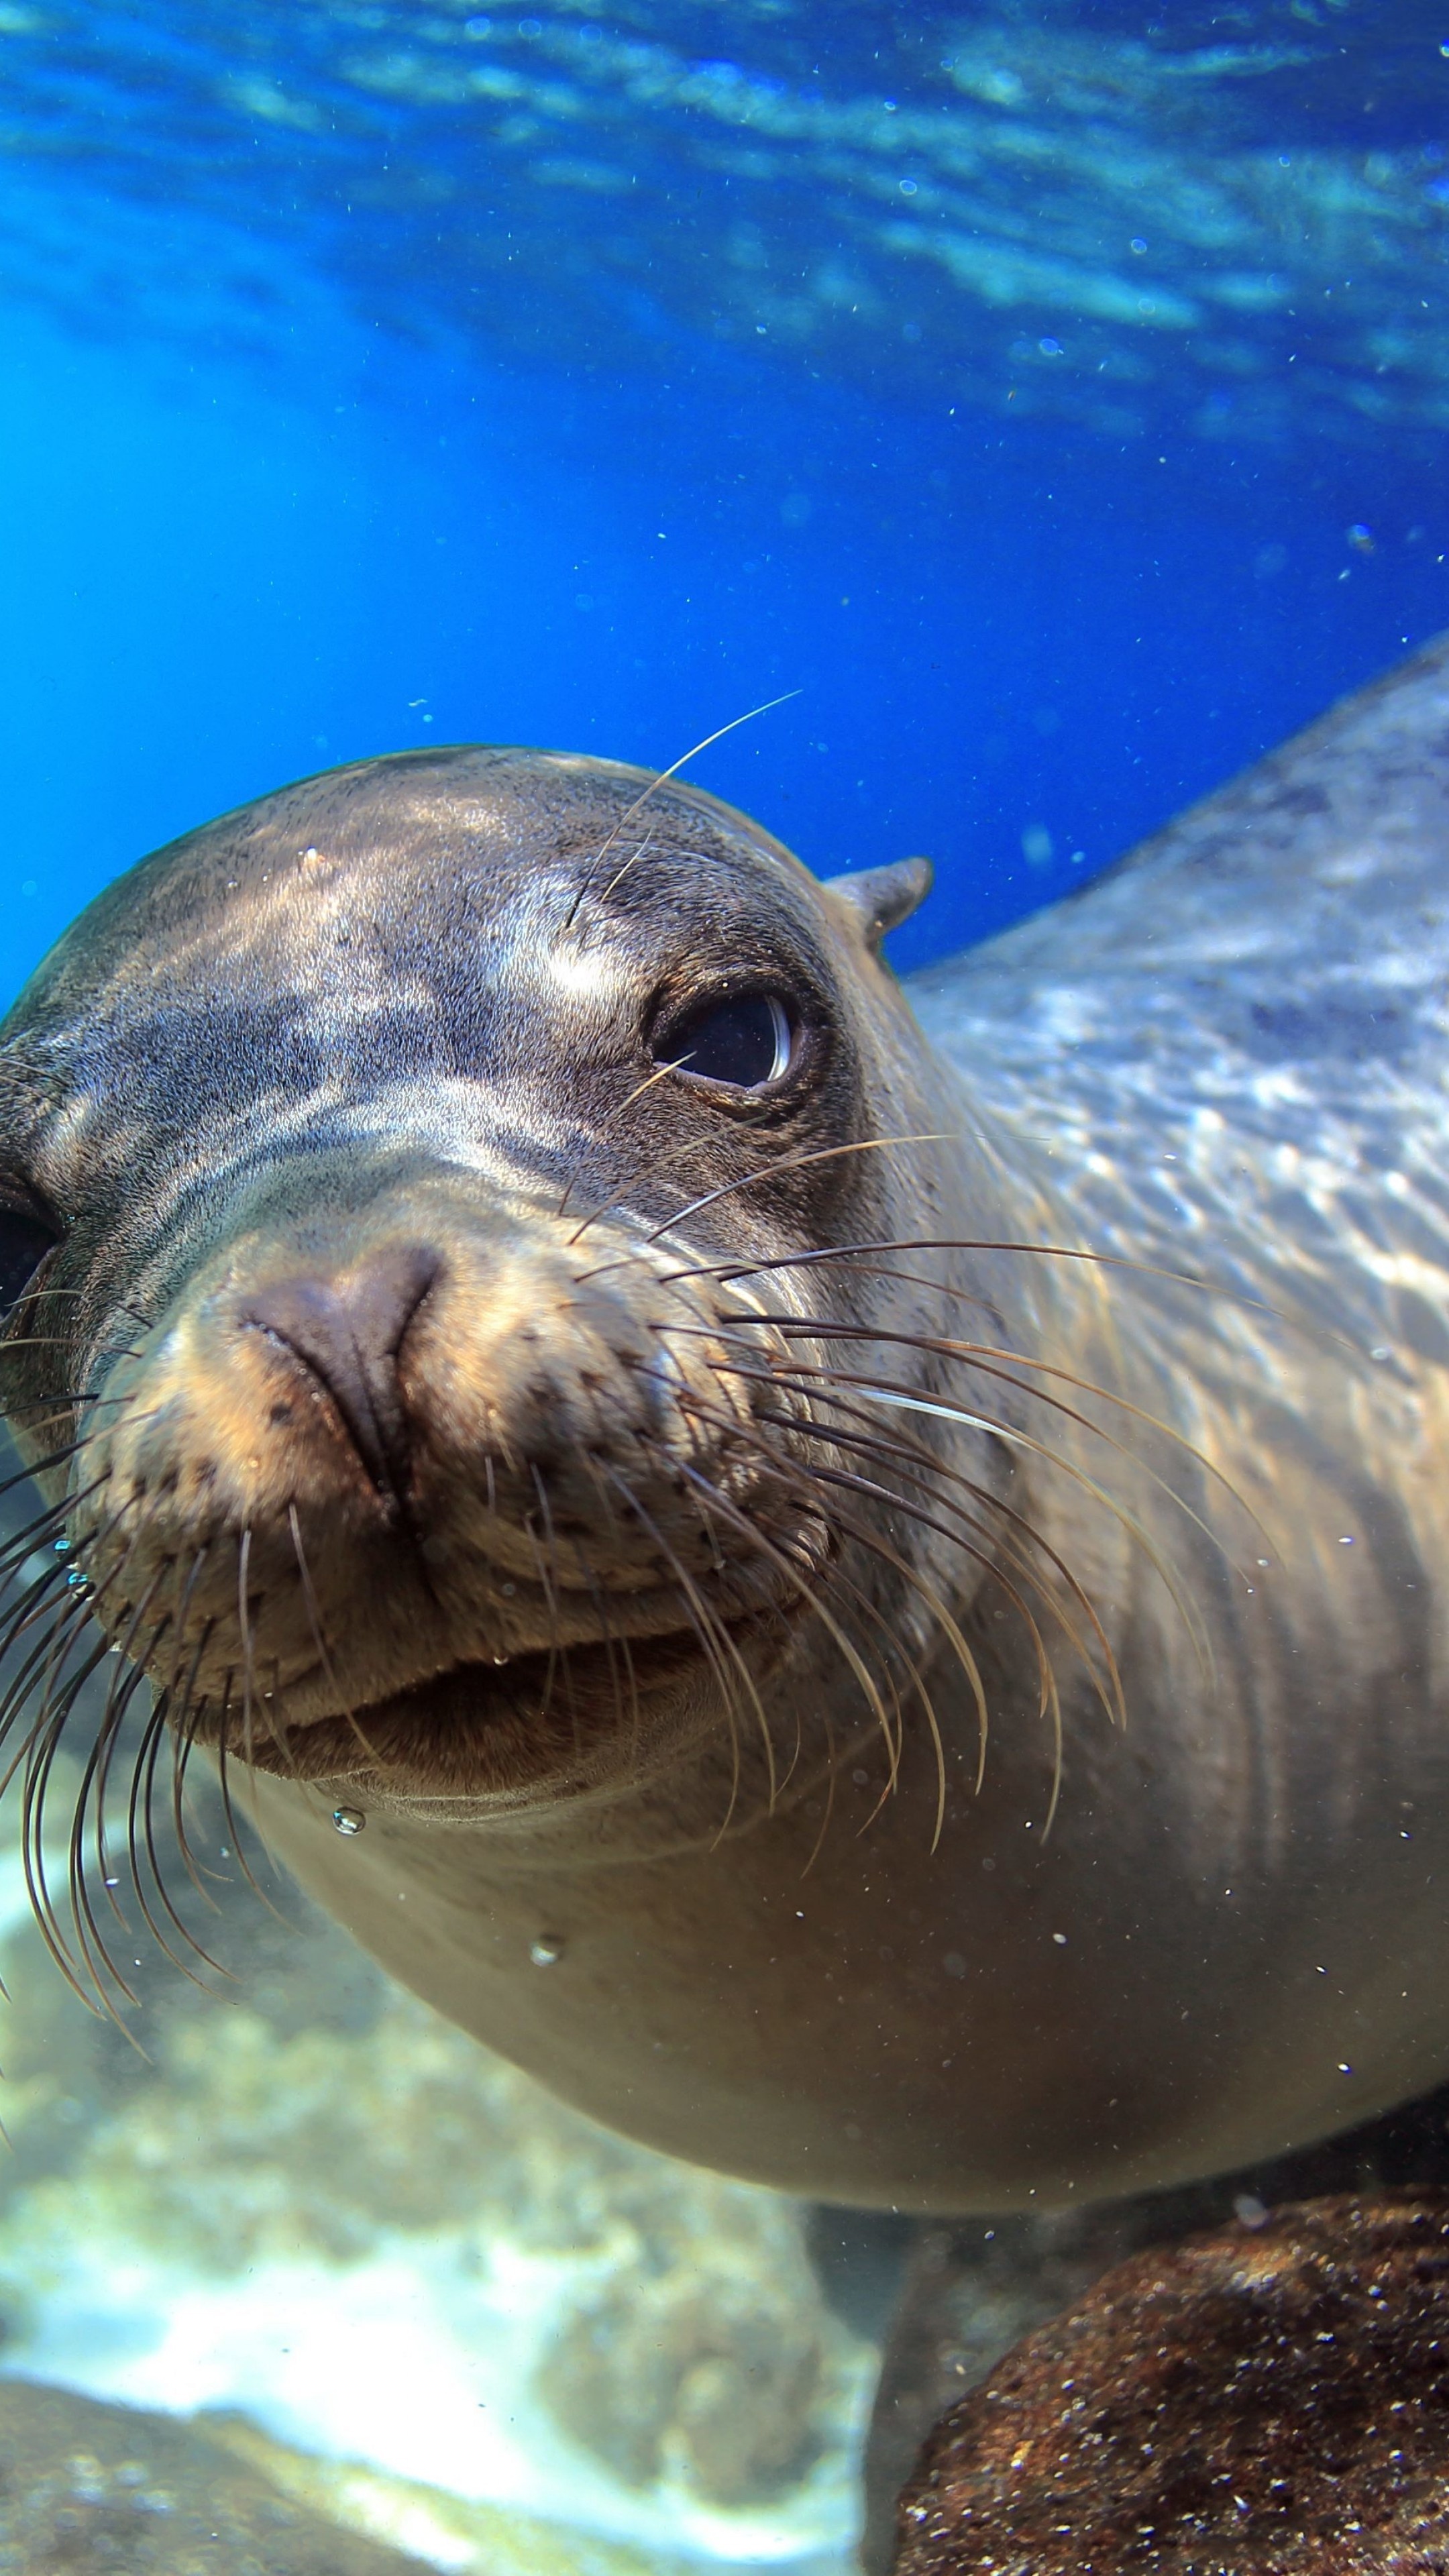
[346, 1328]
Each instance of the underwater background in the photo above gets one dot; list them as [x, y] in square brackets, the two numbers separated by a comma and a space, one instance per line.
[1051, 399]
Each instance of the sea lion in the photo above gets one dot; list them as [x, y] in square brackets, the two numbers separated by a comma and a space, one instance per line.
[859, 1588]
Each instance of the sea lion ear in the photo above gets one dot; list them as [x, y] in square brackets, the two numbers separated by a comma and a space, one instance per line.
[882, 898]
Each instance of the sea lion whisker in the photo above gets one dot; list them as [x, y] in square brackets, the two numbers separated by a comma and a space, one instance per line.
[125, 1677]
[652, 1170]
[244, 1631]
[635, 1711]
[39, 1759]
[169, 1723]
[186, 1719]
[927, 1593]
[346, 1708]
[756, 1538]
[52, 1592]
[798, 1478]
[599, 1597]
[36, 1759]
[715, 1641]
[611, 1117]
[223, 1768]
[726, 1268]
[974, 1547]
[36, 1531]
[1015, 1435]
[797, 1162]
[779, 1781]
[141, 1835]
[38, 1599]
[640, 801]
[47, 1655]
[1049, 1698]
[910, 1400]
[90, 1939]
[993, 1361]
[926, 1469]
[827, 1381]
[44, 1466]
[547, 1585]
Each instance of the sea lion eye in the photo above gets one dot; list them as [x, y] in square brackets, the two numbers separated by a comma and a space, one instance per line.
[745, 1042]
[25, 1239]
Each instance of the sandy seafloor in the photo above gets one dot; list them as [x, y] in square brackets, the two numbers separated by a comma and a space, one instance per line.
[431, 2301]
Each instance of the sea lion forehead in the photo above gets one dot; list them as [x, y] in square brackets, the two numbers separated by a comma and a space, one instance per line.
[431, 846]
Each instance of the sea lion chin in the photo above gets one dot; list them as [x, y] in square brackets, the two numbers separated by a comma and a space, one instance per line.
[865, 1603]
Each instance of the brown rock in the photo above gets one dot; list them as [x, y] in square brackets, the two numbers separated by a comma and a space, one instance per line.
[1263, 2401]
[94, 2490]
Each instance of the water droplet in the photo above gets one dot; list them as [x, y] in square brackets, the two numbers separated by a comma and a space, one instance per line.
[76, 1580]
[62, 1546]
[348, 1820]
[500, 1660]
[546, 1950]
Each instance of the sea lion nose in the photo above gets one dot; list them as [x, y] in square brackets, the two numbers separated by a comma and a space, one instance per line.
[346, 1329]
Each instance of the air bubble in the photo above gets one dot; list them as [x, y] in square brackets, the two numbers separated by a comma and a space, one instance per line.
[546, 1950]
[348, 1820]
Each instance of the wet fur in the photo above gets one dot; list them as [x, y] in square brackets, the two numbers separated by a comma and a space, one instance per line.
[932, 1715]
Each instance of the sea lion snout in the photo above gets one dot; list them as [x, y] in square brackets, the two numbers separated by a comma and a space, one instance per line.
[345, 1332]
[362, 1458]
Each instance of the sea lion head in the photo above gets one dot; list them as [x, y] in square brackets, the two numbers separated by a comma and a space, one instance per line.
[390, 1176]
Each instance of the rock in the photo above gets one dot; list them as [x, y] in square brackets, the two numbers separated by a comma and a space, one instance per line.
[713, 2379]
[92, 2490]
[1269, 2399]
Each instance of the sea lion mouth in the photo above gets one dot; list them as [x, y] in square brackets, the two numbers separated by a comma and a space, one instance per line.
[484, 1726]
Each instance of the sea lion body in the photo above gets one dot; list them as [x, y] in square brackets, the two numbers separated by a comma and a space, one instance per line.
[366, 1174]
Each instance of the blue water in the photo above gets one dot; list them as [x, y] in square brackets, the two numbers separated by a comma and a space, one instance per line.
[1048, 402]
[348, 404]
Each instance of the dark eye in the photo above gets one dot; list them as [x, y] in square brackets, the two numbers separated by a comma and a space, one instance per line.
[745, 1042]
[25, 1239]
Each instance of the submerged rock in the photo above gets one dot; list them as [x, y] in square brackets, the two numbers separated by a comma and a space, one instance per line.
[86, 2487]
[712, 2378]
[305, 2200]
[1267, 2400]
